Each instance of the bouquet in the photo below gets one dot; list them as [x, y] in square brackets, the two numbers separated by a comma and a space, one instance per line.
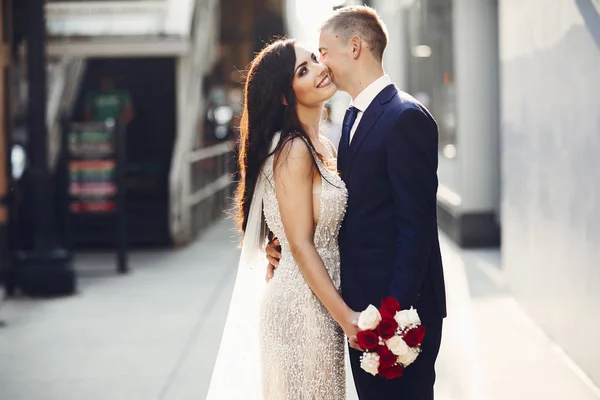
[391, 338]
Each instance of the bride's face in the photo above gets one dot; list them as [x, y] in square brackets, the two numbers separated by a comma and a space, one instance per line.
[312, 83]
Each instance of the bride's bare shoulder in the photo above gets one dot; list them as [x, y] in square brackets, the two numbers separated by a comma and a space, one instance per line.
[294, 151]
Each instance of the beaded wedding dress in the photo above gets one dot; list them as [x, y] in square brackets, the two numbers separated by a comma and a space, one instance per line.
[279, 341]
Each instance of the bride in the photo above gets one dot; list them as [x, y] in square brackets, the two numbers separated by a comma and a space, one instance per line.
[284, 339]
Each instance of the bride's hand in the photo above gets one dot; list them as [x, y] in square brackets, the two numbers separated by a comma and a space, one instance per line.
[350, 327]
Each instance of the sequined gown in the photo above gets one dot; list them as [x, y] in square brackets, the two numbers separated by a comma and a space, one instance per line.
[302, 347]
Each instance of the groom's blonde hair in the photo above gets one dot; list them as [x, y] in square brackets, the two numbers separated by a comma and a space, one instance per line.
[361, 21]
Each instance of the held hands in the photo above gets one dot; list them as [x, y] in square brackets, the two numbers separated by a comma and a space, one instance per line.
[273, 256]
[350, 327]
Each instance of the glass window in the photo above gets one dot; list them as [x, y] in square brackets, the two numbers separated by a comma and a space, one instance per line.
[430, 70]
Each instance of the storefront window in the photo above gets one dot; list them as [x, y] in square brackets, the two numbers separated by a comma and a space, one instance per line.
[430, 75]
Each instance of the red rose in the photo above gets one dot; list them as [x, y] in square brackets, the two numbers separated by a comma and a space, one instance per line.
[414, 337]
[386, 357]
[389, 307]
[367, 340]
[395, 371]
[387, 328]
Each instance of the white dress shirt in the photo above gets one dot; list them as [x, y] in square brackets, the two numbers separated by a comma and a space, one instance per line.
[364, 99]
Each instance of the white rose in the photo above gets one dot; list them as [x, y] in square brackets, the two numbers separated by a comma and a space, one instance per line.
[397, 345]
[407, 318]
[403, 319]
[369, 319]
[408, 358]
[414, 317]
[370, 363]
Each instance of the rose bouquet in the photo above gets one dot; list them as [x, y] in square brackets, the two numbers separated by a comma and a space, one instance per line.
[391, 338]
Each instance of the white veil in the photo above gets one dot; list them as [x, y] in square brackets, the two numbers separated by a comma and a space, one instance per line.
[236, 375]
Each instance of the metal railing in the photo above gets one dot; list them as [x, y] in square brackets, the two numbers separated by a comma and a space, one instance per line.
[190, 69]
[211, 183]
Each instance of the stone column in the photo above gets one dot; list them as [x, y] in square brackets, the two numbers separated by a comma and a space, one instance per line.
[394, 61]
[469, 204]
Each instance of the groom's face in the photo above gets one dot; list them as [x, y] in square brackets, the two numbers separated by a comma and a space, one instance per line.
[337, 55]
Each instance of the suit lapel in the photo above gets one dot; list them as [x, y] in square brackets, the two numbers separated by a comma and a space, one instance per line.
[341, 158]
[365, 127]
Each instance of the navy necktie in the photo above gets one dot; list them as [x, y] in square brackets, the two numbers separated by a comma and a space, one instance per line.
[349, 118]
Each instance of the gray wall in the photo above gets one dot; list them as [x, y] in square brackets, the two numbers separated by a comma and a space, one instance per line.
[550, 128]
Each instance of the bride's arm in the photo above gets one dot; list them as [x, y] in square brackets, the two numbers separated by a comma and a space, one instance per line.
[294, 175]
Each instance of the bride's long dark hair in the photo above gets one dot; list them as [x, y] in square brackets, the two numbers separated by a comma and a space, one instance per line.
[268, 83]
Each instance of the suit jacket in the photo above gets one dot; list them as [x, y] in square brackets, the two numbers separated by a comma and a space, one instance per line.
[389, 239]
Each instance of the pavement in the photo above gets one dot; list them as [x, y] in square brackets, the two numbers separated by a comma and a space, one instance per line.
[154, 334]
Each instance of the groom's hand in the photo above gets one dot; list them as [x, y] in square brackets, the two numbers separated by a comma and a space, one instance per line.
[270, 273]
[274, 253]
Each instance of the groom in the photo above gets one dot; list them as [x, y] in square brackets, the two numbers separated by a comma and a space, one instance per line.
[387, 157]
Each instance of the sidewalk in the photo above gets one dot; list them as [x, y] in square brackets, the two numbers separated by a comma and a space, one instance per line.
[491, 350]
[151, 335]
[154, 334]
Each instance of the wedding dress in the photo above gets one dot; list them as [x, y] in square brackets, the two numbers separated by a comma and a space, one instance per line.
[279, 340]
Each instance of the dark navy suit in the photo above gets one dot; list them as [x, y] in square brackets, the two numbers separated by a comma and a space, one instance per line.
[389, 239]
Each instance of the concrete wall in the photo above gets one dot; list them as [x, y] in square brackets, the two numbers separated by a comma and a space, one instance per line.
[550, 128]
